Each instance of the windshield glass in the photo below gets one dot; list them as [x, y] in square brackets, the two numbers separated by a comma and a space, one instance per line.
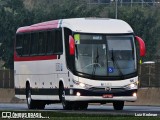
[102, 55]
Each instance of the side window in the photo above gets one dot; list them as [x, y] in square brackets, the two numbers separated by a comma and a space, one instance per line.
[39, 43]
[34, 44]
[58, 42]
[50, 42]
[26, 44]
[42, 43]
[19, 43]
[54, 42]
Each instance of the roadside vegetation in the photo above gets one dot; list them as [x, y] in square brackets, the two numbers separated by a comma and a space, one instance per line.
[15, 13]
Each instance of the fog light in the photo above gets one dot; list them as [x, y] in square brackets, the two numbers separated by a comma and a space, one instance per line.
[71, 92]
[134, 94]
[78, 94]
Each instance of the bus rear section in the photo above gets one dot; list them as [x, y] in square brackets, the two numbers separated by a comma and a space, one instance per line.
[97, 64]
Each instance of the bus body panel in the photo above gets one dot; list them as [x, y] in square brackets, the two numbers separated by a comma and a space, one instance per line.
[41, 74]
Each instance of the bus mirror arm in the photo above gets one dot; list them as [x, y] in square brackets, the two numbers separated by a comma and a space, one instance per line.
[142, 48]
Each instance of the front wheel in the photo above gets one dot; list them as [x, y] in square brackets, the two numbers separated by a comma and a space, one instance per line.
[83, 106]
[79, 105]
[118, 105]
[66, 104]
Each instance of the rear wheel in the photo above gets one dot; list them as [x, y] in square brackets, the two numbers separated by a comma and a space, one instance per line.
[33, 104]
[118, 105]
[30, 102]
[40, 104]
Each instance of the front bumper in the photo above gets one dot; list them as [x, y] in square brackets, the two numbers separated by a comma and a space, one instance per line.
[97, 95]
[100, 98]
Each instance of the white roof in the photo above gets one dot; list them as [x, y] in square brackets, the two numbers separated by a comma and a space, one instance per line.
[97, 25]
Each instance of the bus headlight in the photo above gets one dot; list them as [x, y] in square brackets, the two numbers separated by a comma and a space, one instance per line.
[132, 86]
[81, 84]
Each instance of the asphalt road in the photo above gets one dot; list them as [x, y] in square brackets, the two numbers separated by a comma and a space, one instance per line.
[92, 109]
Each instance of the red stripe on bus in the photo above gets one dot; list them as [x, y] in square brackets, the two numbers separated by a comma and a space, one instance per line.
[35, 58]
[40, 26]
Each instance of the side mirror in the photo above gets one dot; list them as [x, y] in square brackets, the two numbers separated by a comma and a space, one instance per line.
[142, 48]
[71, 45]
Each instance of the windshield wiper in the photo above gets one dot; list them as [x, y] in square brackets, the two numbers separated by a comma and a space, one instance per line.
[113, 58]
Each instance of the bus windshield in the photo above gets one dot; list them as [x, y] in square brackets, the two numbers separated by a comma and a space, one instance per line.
[102, 55]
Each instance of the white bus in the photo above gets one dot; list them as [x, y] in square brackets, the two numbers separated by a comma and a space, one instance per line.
[77, 61]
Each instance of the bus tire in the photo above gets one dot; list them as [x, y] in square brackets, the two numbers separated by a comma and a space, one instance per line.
[118, 105]
[30, 103]
[80, 105]
[75, 106]
[40, 104]
[66, 104]
[83, 106]
[33, 104]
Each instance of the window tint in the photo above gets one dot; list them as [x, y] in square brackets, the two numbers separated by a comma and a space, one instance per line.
[34, 44]
[50, 42]
[42, 43]
[39, 43]
[26, 44]
[54, 44]
[19, 42]
[58, 42]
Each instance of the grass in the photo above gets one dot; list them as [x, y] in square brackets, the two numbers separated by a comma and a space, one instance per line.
[105, 118]
[54, 115]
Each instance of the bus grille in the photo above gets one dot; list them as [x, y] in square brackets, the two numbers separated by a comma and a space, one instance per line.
[96, 89]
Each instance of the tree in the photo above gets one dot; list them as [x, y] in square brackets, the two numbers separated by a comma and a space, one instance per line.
[13, 15]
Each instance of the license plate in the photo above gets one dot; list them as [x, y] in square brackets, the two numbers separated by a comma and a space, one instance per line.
[107, 96]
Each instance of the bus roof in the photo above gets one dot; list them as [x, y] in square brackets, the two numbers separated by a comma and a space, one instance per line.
[84, 25]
